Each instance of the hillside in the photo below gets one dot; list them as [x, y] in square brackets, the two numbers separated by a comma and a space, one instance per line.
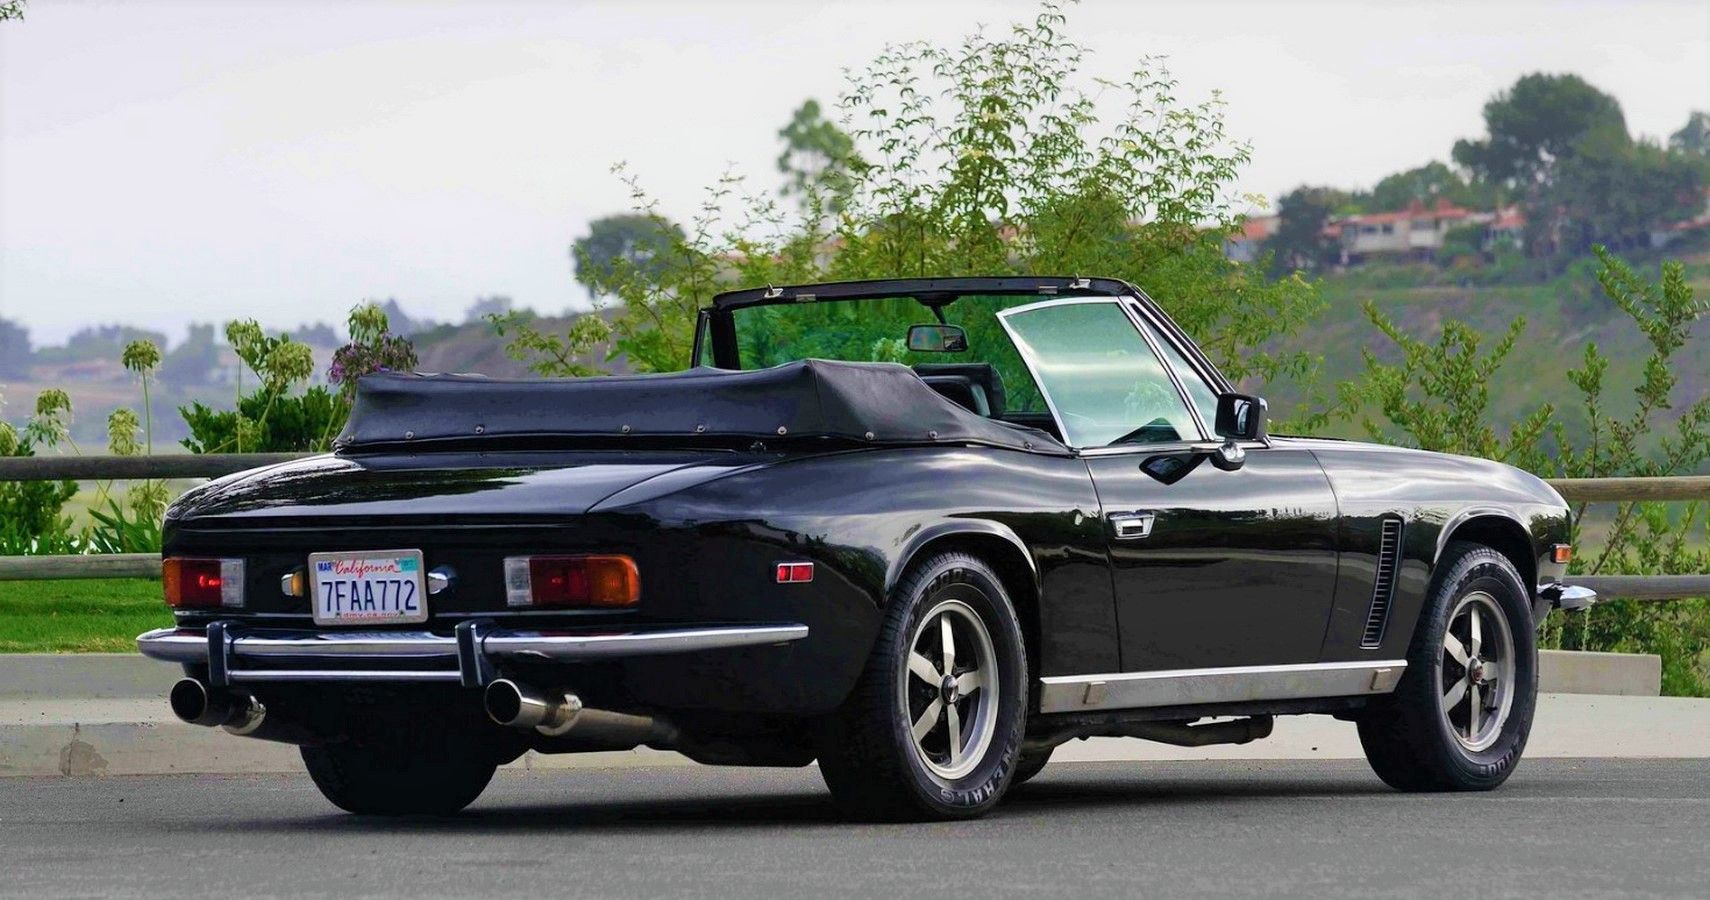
[1562, 316]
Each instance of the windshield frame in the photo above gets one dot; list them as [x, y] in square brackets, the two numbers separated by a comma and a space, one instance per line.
[715, 340]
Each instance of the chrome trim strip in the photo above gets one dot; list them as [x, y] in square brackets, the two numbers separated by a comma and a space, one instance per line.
[605, 646]
[1231, 684]
[403, 644]
[446, 675]
[186, 646]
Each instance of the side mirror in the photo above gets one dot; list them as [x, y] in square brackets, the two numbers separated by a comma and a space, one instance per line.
[937, 339]
[1240, 417]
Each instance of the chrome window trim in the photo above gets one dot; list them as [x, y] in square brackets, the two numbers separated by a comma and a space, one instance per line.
[1208, 686]
[1147, 334]
[1166, 326]
[1027, 357]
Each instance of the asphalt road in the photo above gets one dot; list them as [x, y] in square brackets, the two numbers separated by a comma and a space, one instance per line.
[1560, 828]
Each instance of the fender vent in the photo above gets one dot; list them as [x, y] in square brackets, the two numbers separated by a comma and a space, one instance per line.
[1383, 587]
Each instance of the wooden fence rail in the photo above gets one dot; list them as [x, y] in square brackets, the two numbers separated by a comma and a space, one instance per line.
[147, 565]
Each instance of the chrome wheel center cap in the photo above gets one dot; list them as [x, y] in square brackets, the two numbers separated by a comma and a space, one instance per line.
[948, 689]
[1475, 671]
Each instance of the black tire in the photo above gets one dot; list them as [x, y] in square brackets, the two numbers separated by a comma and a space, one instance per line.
[1029, 765]
[1411, 741]
[869, 756]
[395, 777]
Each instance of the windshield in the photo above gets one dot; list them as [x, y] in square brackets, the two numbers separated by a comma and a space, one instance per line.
[876, 331]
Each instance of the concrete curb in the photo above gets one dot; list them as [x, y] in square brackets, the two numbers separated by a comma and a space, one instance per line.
[106, 714]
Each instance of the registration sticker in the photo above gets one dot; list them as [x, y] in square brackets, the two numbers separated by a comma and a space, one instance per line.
[368, 587]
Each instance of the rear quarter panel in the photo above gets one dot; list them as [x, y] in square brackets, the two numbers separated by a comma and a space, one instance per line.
[860, 516]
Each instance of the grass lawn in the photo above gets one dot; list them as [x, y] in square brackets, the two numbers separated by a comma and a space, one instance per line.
[82, 616]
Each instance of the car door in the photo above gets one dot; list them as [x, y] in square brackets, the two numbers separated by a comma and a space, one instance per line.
[1212, 567]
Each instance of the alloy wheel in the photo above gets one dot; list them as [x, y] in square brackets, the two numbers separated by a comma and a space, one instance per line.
[1477, 688]
[950, 687]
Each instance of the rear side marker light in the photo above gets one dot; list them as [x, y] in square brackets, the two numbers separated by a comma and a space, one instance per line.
[191, 583]
[795, 572]
[601, 582]
[1561, 553]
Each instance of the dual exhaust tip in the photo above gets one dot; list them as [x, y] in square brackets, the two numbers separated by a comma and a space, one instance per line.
[555, 714]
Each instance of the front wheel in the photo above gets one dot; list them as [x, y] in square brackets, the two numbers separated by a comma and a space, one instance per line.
[933, 728]
[398, 777]
[1459, 719]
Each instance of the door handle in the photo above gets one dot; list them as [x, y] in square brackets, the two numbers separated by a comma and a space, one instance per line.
[1131, 526]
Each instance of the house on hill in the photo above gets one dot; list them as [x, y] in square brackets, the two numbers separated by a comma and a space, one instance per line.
[1413, 233]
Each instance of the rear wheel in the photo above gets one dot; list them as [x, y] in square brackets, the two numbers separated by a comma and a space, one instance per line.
[1460, 717]
[398, 776]
[933, 727]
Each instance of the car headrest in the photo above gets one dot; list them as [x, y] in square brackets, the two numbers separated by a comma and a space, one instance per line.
[983, 374]
[962, 391]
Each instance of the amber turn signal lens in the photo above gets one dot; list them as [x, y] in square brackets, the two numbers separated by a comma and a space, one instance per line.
[1561, 553]
[597, 581]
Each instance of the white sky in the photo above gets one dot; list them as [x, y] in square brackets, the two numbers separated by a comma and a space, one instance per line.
[168, 162]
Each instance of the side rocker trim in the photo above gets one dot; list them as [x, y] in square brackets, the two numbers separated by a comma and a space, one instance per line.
[1232, 684]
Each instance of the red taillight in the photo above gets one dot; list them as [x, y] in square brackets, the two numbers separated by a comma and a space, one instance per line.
[795, 573]
[597, 581]
[202, 583]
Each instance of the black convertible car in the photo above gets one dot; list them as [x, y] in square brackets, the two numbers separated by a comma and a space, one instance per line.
[921, 531]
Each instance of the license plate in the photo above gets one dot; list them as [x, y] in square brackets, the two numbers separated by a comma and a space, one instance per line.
[368, 587]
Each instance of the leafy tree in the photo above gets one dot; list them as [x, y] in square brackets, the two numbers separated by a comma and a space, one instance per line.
[1538, 121]
[1693, 137]
[1425, 184]
[819, 158]
[15, 351]
[988, 157]
[1613, 191]
[1299, 243]
[621, 246]
[1582, 180]
[11, 9]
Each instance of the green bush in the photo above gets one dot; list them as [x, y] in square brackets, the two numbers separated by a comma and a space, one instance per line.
[31, 512]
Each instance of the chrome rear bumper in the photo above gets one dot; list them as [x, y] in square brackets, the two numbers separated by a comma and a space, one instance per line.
[466, 657]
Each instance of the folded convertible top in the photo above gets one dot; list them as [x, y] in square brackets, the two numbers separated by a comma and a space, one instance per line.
[863, 402]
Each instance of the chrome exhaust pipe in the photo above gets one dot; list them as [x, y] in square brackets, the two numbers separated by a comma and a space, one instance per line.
[561, 714]
[515, 706]
[193, 702]
[240, 714]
